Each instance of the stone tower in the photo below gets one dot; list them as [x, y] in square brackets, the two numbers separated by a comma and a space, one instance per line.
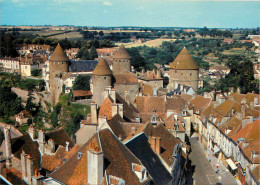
[121, 61]
[58, 67]
[101, 78]
[184, 70]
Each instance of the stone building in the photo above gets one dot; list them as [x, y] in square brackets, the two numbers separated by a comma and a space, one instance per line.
[58, 66]
[184, 70]
[101, 78]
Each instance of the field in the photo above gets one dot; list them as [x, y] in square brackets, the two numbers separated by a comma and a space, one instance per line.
[150, 43]
[234, 51]
[70, 35]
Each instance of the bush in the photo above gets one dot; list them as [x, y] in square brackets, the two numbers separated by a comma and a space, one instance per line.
[37, 72]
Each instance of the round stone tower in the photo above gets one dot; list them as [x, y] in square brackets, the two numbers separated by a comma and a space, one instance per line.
[184, 70]
[121, 61]
[59, 64]
[101, 78]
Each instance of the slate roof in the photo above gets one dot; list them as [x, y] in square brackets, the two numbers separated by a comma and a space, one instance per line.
[184, 61]
[59, 55]
[82, 65]
[140, 147]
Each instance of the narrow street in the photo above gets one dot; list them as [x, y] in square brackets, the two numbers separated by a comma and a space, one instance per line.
[201, 171]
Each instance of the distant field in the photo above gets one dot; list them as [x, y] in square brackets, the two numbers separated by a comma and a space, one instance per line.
[150, 43]
[41, 33]
[119, 31]
[234, 51]
[70, 35]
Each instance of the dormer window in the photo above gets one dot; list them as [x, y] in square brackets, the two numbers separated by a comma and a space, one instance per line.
[153, 119]
[79, 155]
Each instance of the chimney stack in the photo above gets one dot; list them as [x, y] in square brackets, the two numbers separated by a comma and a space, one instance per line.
[31, 132]
[41, 136]
[93, 113]
[120, 110]
[24, 165]
[8, 148]
[67, 146]
[95, 166]
[127, 97]
[113, 94]
[158, 145]
[30, 171]
[158, 74]
[175, 116]
[51, 146]
[114, 109]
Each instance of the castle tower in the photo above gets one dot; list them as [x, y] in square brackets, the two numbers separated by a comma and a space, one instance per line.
[57, 67]
[101, 78]
[184, 70]
[121, 61]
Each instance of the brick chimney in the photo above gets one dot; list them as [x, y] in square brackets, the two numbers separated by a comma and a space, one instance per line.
[95, 166]
[158, 145]
[158, 74]
[31, 132]
[8, 147]
[93, 112]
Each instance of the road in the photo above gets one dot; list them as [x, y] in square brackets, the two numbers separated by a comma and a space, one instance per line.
[201, 172]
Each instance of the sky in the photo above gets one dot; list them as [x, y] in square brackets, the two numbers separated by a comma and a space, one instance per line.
[145, 13]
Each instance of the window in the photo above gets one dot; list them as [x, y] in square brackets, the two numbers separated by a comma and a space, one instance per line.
[105, 77]
[181, 73]
[79, 155]
[190, 74]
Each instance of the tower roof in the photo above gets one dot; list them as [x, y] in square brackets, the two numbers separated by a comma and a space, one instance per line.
[121, 53]
[102, 68]
[184, 61]
[59, 55]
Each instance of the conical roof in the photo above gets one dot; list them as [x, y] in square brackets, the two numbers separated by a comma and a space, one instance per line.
[121, 53]
[102, 68]
[59, 55]
[184, 61]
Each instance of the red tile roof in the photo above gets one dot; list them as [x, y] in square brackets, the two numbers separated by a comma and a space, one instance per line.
[59, 55]
[106, 108]
[79, 93]
[102, 68]
[121, 53]
[125, 78]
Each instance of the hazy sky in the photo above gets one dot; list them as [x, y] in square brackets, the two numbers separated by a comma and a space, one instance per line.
[171, 13]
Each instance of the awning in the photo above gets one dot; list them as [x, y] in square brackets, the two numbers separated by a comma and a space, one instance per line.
[216, 149]
[231, 164]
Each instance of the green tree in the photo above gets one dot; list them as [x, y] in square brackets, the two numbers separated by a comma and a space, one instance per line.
[80, 53]
[82, 83]
[30, 106]
[137, 60]
[169, 34]
[93, 53]
[247, 76]
[85, 55]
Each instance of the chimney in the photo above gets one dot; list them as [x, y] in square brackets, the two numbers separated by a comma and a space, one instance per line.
[152, 142]
[24, 165]
[133, 130]
[142, 70]
[104, 94]
[67, 146]
[255, 101]
[120, 110]
[113, 94]
[158, 145]
[101, 121]
[93, 113]
[127, 97]
[175, 115]
[243, 111]
[30, 171]
[8, 148]
[51, 146]
[114, 109]
[37, 179]
[95, 166]
[31, 132]
[251, 105]
[41, 136]
[158, 74]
